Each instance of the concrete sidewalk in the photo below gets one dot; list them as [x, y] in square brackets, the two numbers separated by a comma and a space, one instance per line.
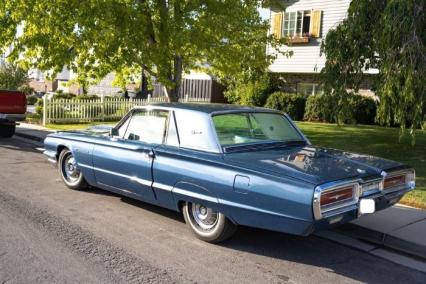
[399, 228]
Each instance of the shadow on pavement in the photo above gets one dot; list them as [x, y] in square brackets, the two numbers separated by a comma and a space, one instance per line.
[143, 205]
[18, 145]
[311, 250]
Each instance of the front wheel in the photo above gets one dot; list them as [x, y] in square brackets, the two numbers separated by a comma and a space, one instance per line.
[207, 224]
[70, 173]
[7, 130]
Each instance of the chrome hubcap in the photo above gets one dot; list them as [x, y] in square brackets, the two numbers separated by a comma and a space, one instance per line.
[70, 170]
[206, 218]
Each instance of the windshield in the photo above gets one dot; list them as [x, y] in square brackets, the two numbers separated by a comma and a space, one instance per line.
[254, 127]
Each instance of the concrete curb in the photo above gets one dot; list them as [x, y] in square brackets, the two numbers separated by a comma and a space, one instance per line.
[29, 136]
[384, 240]
[375, 249]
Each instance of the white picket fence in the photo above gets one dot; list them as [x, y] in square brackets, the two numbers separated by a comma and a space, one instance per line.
[108, 109]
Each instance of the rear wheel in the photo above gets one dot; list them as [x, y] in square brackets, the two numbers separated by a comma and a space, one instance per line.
[7, 130]
[70, 173]
[207, 224]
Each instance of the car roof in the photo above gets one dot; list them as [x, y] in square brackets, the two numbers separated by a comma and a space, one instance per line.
[211, 108]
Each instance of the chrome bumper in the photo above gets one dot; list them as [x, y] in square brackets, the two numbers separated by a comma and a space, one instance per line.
[383, 200]
[12, 117]
[51, 156]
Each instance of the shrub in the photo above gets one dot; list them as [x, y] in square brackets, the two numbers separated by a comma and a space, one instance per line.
[31, 100]
[39, 106]
[318, 108]
[253, 93]
[292, 104]
[87, 97]
[321, 108]
[33, 118]
[62, 95]
[364, 109]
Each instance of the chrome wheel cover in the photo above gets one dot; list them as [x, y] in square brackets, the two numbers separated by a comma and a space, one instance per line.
[70, 170]
[206, 218]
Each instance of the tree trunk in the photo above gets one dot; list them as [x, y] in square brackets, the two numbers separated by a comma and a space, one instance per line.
[144, 84]
[175, 92]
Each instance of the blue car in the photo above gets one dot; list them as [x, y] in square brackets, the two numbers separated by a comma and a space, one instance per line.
[228, 165]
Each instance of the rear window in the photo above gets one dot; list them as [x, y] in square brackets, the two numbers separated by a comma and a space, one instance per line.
[251, 127]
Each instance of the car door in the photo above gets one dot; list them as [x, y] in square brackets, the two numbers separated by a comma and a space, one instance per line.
[124, 163]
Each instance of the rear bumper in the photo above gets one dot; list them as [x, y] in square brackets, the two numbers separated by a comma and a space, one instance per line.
[347, 214]
[11, 117]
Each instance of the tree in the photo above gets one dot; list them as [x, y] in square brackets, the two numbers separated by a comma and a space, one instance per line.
[164, 37]
[12, 77]
[387, 35]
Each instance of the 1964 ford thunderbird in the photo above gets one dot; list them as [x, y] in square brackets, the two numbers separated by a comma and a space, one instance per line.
[227, 165]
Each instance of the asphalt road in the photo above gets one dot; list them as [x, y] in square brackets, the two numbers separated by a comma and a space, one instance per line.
[50, 234]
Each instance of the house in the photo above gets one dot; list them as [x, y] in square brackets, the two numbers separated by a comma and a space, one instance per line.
[197, 86]
[305, 23]
[40, 83]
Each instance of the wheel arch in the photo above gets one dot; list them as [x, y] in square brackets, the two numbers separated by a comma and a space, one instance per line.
[184, 191]
[59, 149]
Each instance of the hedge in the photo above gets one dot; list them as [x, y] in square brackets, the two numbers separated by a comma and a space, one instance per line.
[292, 104]
[321, 108]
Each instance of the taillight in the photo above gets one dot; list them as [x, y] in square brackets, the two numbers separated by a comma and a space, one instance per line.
[333, 196]
[394, 181]
[337, 195]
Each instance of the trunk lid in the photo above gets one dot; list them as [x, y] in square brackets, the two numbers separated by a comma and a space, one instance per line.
[313, 164]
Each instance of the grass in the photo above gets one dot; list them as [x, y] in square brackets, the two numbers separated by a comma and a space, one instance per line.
[378, 141]
[76, 126]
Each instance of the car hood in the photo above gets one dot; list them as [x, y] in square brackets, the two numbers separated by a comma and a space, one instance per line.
[313, 164]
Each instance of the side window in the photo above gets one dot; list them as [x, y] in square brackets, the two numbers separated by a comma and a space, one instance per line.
[147, 126]
[172, 138]
[123, 128]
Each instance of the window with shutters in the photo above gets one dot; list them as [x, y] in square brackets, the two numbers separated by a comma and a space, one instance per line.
[299, 26]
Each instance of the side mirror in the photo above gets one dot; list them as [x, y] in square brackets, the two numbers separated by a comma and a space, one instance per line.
[113, 132]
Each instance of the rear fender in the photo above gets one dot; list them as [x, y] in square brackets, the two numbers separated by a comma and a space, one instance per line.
[186, 191]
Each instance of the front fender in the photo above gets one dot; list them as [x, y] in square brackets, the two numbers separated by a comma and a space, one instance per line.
[82, 152]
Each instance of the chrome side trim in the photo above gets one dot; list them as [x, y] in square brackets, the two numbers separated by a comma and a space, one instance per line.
[165, 187]
[195, 195]
[132, 178]
[251, 208]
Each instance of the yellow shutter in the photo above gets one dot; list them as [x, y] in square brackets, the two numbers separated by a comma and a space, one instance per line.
[315, 27]
[277, 20]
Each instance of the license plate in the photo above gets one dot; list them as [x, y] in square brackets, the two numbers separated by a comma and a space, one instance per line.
[367, 206]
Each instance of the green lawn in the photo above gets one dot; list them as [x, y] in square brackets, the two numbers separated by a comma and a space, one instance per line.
[378, 141]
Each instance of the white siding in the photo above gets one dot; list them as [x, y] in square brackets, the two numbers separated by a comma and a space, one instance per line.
[306, 57]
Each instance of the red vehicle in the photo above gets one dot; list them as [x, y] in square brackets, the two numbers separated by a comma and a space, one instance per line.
[13, 106]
